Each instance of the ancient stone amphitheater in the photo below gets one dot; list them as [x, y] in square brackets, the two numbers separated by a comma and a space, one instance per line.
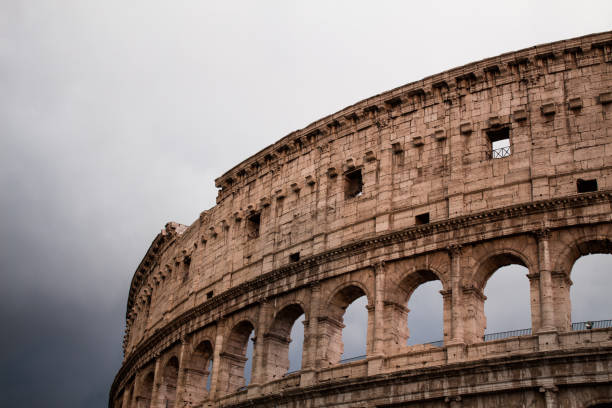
[503, 161]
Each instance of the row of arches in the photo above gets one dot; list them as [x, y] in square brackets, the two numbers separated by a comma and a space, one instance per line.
[264, 343]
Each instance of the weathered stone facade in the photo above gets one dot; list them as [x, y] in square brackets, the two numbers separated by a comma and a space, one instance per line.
[503, 161]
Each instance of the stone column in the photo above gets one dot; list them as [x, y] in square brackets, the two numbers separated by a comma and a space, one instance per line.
[157, 384]
[455, 350]
[125, 401]
[215, 383]
[136, 391]
[311, 335]
[258, 371]
[457, 335]
[447, 300]
[182, 372]
[453, 402]
[379, 317]
[550, 395]
[546, 295]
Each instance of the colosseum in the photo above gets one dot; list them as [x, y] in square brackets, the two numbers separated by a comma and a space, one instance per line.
[503, 161]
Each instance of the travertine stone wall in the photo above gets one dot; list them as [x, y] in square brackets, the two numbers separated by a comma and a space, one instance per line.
[397, 190]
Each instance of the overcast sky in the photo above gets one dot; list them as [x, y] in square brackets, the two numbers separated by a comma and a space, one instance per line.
[116, 116]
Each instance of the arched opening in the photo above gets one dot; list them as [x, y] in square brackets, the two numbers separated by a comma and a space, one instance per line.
[278, 341]
[169, 380]
[591, 303]
[345, 326]
[144, 399]
[296, 347]
[198, 373]
[237, 358]
[354, 333]
[507, 300]
[421, 293]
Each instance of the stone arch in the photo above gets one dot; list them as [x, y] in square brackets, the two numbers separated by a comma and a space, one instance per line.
[590, 244]
[331, 322]
[167, 392]
[234, 356]
[486, 266]
[344, 289]
[408, 284]
[277, 339]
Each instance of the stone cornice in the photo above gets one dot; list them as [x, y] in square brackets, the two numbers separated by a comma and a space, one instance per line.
[176, 328]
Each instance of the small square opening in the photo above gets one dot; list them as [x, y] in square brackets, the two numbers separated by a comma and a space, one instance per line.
[353, 184]
[500, 143]
[586, 186]
[422, 219]
[253, 222]
[294, 257]
[209, 295]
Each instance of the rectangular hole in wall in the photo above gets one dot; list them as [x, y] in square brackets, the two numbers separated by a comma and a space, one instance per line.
[253, 222]
[294, 257]
[353, 184]
[209, 295]
[499, 143]
[422, 219]
[586, 186]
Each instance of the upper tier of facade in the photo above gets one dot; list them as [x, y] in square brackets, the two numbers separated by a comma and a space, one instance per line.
[521, 127]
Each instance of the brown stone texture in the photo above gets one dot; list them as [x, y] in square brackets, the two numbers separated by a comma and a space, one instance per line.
[503, 161]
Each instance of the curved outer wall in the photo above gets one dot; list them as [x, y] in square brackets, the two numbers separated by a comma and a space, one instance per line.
[396, 190]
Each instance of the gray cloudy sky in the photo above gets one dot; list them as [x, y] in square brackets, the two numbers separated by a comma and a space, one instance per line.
[116, 116]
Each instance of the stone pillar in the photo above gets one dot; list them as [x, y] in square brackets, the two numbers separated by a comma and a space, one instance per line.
[182, 372]
[379, 317]
[550, 395]
[534, 295]
[447, 301]
[455, 350]
[563, 304]
[258, 371]
[136, 391]
[157, 384]
[215, 383]
[395, 329]
[311, 330]
[457, 334]
[453, 402]
[546, 294]
[125, 401]
[138, 399]
[473, 317]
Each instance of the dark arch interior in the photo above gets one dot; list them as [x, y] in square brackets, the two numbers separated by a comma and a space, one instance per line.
[278, 340]
[199, 378]
[237, 365]
[170, 377]
[239, 337]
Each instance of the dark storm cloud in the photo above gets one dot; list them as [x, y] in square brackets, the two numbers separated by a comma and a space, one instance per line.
[115, 117]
